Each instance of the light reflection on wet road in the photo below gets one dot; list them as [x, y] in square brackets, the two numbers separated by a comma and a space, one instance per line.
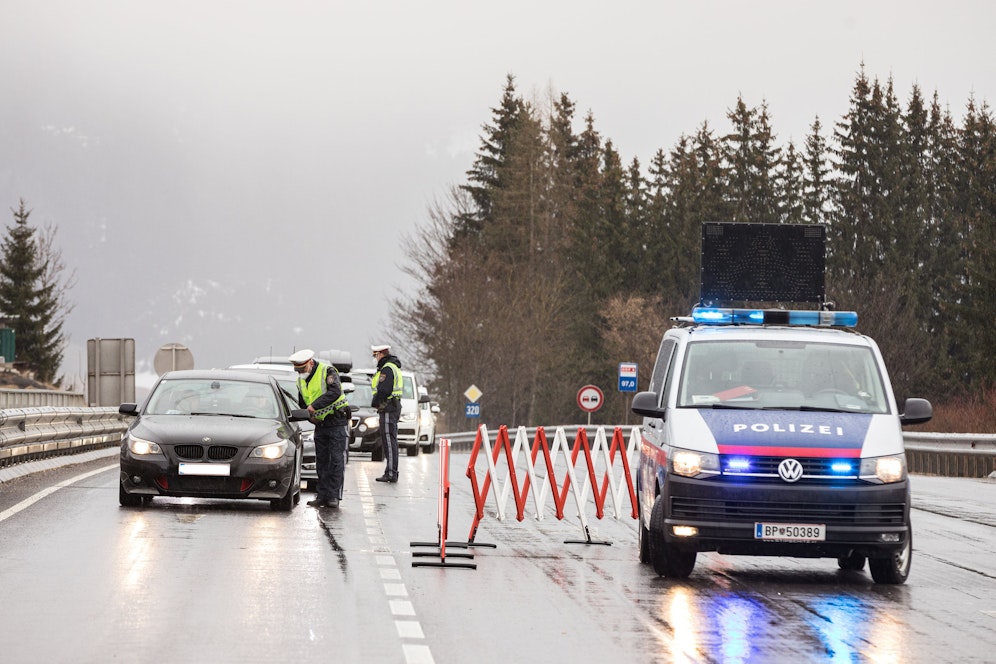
[196, 581]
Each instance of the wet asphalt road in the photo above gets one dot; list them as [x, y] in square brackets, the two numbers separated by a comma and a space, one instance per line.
[84, 580]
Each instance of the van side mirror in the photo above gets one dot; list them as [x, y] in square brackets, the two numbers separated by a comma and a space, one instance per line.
[916, 411]
[646, 404]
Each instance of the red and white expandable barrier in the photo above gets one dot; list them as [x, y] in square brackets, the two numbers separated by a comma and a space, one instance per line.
[603, 456]
[442, 518]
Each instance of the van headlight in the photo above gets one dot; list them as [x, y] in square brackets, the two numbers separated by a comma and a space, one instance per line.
[690, 464]
[140, 447]
[884, 469]
[274, 451]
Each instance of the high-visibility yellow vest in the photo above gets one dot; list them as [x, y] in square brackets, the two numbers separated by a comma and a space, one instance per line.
[396, 388]
[314, 388]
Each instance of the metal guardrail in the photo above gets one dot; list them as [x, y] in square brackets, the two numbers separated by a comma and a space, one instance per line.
[944, 454]
[27, 434]
[951, 454]
[34, 433]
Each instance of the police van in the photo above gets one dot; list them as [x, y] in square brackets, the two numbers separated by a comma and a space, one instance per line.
[772, 431]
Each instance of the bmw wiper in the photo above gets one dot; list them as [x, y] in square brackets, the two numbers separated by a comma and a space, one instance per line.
[226, 415]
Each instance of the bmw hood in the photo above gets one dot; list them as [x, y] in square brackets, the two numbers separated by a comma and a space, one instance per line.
[220, 429]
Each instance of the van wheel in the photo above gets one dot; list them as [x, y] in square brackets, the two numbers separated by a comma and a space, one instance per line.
[895, 568]
[668, 561]
[644, 538]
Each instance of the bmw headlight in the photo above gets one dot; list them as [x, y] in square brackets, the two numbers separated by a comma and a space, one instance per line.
[369, 423]
[690, 464]
[140, 447]
[274, 451]
[885, 469]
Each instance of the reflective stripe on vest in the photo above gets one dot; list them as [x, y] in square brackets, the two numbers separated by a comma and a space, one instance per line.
[396, 391]
[316, 387]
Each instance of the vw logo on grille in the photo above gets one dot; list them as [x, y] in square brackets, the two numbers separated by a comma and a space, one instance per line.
[790, 470]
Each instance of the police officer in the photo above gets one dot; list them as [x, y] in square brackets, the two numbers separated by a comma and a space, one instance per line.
[320, 391]
[386, 385]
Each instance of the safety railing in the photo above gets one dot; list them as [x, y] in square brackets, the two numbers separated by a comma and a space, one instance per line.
[27, 434]
[944, 454]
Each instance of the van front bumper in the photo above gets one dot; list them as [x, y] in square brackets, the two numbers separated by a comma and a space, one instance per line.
[864, 519]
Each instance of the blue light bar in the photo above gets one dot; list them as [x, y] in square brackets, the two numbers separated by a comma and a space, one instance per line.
[716, 316]
[842, 468]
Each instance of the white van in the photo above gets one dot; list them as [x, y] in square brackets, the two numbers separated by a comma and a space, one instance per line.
[774, 432]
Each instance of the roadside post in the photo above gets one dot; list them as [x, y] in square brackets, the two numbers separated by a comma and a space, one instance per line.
[473, 405]
[628, 372]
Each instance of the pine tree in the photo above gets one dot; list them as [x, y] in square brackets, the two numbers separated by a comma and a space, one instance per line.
[817, 184]
[977, 203]
[752, 161]
[33, 294]
[484, 178]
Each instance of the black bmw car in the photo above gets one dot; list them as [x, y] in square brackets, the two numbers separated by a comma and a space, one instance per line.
[213, 434]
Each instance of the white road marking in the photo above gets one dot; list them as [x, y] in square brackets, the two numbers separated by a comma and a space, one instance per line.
[408, 629]
[28, 502]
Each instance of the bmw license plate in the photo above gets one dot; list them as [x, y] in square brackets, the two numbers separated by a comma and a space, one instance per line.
[212, 469]
[790, 532]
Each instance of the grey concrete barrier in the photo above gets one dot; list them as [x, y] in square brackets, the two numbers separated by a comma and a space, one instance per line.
[14, 398]
[27, 434]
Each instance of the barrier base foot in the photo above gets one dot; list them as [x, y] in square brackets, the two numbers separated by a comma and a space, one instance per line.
[443, 563]
[589, 541]
[427, 554]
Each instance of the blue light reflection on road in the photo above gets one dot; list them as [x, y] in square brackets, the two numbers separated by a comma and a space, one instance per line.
[739, 627]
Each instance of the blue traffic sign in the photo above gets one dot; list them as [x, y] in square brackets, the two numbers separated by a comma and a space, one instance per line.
[627, 376]
[473, 409]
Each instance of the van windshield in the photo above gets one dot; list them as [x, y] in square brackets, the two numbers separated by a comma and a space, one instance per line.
[781, 374]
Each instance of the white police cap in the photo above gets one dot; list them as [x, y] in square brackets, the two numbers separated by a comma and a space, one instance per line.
[383, 348]
[302, 356]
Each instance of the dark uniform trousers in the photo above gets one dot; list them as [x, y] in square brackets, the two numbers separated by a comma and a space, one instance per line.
[389, 436]
[330, 458]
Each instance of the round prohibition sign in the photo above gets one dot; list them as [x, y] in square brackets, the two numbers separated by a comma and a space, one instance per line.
[590, 398]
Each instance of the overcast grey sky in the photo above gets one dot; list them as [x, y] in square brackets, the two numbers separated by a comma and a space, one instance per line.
[239, 175]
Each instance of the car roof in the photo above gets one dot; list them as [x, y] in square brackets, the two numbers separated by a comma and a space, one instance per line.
[259, 367]
[217, 374]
